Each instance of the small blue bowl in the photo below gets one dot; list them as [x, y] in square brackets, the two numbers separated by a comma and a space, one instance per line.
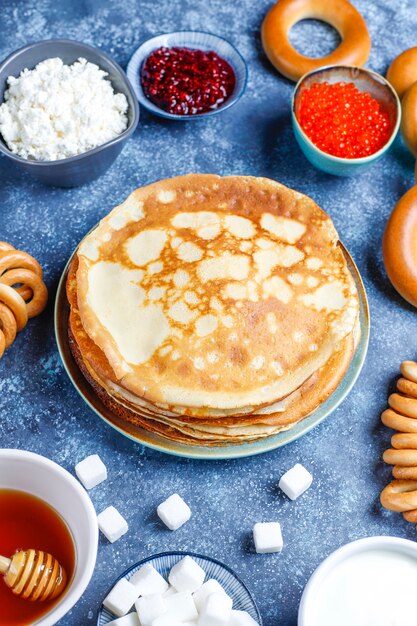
[365, 80]
[234, 587]
[188, 39]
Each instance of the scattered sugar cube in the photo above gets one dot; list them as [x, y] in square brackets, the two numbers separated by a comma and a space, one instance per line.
[267, 537]
[91, 471]
[181, 605]
[186, 575]
[216, 610]
[200, 596]
[112, 524]
[166, 620]
[121, 598]
[170, 591]
[131, 619]
[242, 618]
[174, 512]
[148, 580]
[149, 608]
[296, 481]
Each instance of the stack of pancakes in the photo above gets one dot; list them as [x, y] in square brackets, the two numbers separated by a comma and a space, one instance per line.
[213, 310]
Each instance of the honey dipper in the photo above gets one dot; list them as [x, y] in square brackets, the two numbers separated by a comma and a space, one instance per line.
[33, 575]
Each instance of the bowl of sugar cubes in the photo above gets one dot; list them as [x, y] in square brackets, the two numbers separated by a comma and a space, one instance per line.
[179, 589]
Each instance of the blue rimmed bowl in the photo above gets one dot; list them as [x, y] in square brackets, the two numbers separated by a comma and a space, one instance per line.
[364, 80]
[188, 39]
[231, 583]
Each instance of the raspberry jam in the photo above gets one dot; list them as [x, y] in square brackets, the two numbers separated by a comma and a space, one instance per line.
[343, 121]
[184, 81]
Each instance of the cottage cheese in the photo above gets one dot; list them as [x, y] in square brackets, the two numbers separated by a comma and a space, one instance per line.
[56, 111]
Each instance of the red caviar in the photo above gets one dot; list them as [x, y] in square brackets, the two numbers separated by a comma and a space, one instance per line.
[343, 121]
[185, 81]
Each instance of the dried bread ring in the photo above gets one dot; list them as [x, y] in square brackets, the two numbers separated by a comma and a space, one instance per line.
[15, 302]
[407, 387]
[409, 370]
[400, 495]
[4, 247]
[411, 516]
[15, 259]
[394, 420]
[404, 473]
[402, 404]
[402, 72]
[8, 325]
[407, 458]
[354, 48]
[409, 118]
[2, 343]
[399, 247]
[35, 283]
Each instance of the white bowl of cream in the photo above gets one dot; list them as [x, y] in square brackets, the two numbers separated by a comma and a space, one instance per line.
[369, 582]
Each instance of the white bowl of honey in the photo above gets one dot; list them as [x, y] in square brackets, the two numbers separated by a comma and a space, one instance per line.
[43, 507]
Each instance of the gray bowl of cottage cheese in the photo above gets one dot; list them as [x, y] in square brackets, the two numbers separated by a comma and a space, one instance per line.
[66, 111]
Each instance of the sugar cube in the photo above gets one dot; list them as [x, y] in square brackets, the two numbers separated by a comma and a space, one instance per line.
[296, 481]
[267, 537]
[149, 608]
[181, 605]
[112, 524]
[216, 610]
[200, 596]
[121, 598]
[242, 618]
[148, 580]
[131, 619]
[91, 471]
[186, 575]
[166, 620]
[170, 591]
[174, 512]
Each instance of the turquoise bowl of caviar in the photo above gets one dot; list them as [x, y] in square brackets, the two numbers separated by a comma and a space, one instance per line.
[187, 75]
[344, 118]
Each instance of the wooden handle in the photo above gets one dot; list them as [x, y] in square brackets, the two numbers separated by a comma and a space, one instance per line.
[33, 575]
[4, 564]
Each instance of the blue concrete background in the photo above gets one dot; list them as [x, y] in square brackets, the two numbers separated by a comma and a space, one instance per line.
[40, 410]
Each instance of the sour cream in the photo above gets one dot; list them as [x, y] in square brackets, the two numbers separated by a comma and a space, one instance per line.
[366, 583]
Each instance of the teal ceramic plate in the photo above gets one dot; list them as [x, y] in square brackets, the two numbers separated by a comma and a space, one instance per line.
[216, 452]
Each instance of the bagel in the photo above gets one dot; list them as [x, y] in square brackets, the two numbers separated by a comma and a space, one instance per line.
[409, 118]
[354, 48]
[399, 246]
[402, 72]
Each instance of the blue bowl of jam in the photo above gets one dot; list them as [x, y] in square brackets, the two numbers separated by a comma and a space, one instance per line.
[187, 75]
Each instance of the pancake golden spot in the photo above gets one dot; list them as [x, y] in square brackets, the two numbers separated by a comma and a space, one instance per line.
[181, 278]
[198, 363]
[284, 228]
[328, 297]
[257, 362]
[295, 279]
[181, 313]
[191, 297]
[312, 281]
[313, 263]
[189, 252]
[146, 246]
[277, 287]
[205, 325]
[155, 268]
[165, 197]
[225, 266]
[205, 224]
[239, 227]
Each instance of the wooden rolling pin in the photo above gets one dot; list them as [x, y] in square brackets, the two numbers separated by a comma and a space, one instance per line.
[33, 575]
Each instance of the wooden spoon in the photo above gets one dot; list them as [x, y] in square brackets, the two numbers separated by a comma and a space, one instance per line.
[33, 575]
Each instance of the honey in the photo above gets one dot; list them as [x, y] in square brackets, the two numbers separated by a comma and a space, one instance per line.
[28, 522]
